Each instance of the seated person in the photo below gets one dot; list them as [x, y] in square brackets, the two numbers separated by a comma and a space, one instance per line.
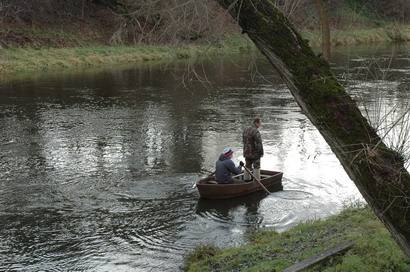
[225, 167]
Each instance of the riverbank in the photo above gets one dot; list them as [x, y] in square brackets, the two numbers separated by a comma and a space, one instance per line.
[390, 33]
[25, 60]
[374, 249]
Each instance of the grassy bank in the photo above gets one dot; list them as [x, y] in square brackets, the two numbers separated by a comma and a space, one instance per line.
[23, 60]
[374, 249]
[18, 60]
[389, 33]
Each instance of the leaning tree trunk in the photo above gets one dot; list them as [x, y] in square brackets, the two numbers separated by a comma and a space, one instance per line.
[377, 171]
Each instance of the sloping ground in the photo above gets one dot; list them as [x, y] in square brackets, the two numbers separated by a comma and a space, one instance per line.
[42, 39]
[18, 36]
[60, 24]
[374, 249]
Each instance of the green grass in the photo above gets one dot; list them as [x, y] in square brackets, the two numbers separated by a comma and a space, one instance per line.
[374, 249]
[388, 33]
[18, 60]
[25, 60]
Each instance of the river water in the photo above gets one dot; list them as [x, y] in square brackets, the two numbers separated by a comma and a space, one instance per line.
[97, 167]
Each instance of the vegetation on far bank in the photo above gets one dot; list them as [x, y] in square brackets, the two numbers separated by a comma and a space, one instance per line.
[38, 36]
[267, 250]
[395, 33]
[26, 59]
[16, 60]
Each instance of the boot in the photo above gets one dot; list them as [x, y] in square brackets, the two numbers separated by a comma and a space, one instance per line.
[246, 176]
[257, 173]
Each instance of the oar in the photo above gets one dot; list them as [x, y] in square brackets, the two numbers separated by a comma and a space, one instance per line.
[260, 183]
[237, 176]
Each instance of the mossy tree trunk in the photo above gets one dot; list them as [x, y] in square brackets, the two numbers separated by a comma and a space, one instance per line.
[377, 171]
[322, 7]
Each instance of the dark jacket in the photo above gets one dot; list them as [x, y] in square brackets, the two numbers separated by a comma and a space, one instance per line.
[224, 168]
[252, 143]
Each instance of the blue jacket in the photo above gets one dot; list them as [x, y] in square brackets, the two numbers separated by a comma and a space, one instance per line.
[224, 168]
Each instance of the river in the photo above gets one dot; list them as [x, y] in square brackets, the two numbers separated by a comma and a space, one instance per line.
[97, 167]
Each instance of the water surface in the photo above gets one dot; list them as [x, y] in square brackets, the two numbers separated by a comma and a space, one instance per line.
[97, 167]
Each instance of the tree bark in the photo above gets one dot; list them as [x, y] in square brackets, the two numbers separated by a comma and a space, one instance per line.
[323, 11]
[377, 171]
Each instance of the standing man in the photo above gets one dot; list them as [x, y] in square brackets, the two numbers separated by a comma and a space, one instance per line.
[225, 167]
[253, 149]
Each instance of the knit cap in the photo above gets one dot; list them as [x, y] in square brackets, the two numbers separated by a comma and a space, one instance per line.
[227, 151]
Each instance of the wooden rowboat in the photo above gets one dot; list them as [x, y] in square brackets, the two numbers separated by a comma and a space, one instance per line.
[208, 188]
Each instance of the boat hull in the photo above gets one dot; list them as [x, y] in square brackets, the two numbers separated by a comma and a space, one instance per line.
[270, 179]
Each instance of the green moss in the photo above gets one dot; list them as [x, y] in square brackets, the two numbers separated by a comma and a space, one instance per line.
[374, 249]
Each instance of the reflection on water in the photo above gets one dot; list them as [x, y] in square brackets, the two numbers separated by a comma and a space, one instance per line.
[96, 169]
[223, 210]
